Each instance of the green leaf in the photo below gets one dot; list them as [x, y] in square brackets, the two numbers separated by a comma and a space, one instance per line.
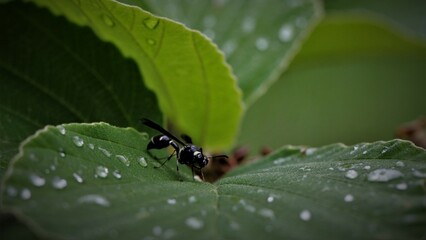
[258, 39]
[59, 185]
[354, 80]
[53, 72]
[195, 87]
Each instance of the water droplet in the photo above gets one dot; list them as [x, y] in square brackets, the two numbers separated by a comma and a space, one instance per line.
[61, 152]
[234, 225]
[270, 199]
[142, 162]
[209, 21]
[402, 186]
[351, 174]
[123, 159]
[59, 183]
[78, 141]
[354, 150]
[192, 199]
[229, 47]
[11, 191]
[281, 160]
[331, 168]
[348, 198]
[25, 194]
[194, 223]
[310, 151]
[247, 207]
[37, 181]
[305, 215]
[91, 146]
[367, 167]
[248, 25]
[209, 33]
[62, 129]
[197, 178]
[365, 152]
[94, 198]
[267, 213]
[116, 174]
[418, 174]
[151, 41]
[262, 44]
[105, 152]
[157, 231]
[385, 149]
[286, 33]
[301, 22]
[384, 175]
[108, 20]
[77, 177]
[151, 22]
[171, 201]
[145, 136]
[400, 164]
[101, 171]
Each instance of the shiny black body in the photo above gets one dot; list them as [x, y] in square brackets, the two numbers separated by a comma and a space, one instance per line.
[187, 153]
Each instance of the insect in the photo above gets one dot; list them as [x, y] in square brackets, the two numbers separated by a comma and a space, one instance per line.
[186, 152]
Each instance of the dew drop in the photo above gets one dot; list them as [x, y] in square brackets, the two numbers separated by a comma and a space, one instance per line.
[310, 151]
[229, 47]
[262, 44]
[61, 152]
[62, 129]
[25, 194]
[192, 199]
[123, 159]
[367, 167]
[116, 174]
[286, 33]
[11, 191]
[402, 186]
[348, 198]
[270, 199]
[305, 215]
[145, 136]
[248, 25]
[59, 183]
[157, 231]
[171, 201]
[142, 162]
[385, 149]
[351, 174]
[101, 171]
[194, 223]
[36, 180]
[78, 141]
[151, 22]
[151, 41]
[77, 177]
[91, 146]
[95, 199]
[105, 152]
[384, 175]
[197, 178]
[108, 20]
[267, 213]
[400, 164]
[365, 152]
[418, 174]
[247, 207]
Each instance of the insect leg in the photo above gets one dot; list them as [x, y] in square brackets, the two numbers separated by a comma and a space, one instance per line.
[162, 164]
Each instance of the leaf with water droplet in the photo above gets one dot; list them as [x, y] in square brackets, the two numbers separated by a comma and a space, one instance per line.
[267, 197]
[159, 46]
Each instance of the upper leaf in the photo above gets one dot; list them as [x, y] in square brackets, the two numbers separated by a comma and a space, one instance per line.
[96, 181]
[194, 85]
[258, 39]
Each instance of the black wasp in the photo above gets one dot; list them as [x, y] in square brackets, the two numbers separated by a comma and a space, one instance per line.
[187, 153]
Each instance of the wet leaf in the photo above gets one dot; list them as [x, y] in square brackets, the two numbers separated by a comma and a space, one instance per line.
[85, 181]
[194, 85]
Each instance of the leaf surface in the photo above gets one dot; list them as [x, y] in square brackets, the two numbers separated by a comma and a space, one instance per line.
[195, 87]
[59, 185]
